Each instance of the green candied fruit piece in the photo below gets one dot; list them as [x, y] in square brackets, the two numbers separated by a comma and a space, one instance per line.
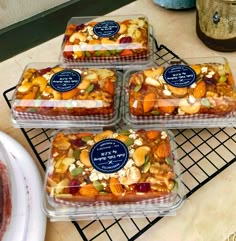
[90, 88]
[155, 112]
[106, 53]
[98, 185]
[137, 88]
[175, 186]
[75, 172]
[98, 53]
[113, 52]
[76, 154]
[118, 51]
[124, 132]
[222, 78]
[129, 141]
[205, 102]
[86, 138]
[169, 161]
[87, 54]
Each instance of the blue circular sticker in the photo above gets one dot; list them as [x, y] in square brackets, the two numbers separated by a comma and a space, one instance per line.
[109, 155]
[65, 80]
[106, 28]
[179, 75]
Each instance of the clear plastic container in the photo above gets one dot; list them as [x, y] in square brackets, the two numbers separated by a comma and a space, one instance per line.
[197, 92]
[57, 96]
[107, 40]
[110, 173]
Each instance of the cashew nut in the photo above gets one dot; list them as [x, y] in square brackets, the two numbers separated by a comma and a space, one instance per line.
[103, 135]
[41, 82]
[189, 108]
[81, 36]
[84, 158]
[139, 155]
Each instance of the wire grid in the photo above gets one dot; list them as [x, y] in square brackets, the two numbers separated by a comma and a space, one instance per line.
[202, 153]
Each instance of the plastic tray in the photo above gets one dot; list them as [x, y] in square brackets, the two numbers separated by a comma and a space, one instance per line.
[78, 185]
[107, 39]
[186, 93]
[54, 95]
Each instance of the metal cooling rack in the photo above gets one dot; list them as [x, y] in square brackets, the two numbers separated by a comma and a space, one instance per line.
[202, 153]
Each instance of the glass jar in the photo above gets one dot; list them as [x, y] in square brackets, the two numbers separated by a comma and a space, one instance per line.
[216, 24]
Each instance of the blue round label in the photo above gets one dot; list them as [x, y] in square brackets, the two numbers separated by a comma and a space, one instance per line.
[65, 80]
[179, 75]
[106, 28]
[109, 155]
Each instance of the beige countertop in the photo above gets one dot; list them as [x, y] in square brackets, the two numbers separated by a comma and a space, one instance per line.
[209, 213]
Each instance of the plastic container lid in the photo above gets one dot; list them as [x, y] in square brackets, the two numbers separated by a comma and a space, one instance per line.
[58, 96]
[107, 39]
[198, 92]
[108, 173]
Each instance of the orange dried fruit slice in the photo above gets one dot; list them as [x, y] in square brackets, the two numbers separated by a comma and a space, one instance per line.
[200, 90]
[149, 101]
[88, 190]
[115, 187]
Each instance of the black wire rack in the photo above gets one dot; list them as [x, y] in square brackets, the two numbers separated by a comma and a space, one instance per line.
[202, 153]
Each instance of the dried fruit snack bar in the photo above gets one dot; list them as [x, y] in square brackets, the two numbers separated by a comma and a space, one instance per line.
[117, 39]
[126, 166]
[60, 93]
[181, 91]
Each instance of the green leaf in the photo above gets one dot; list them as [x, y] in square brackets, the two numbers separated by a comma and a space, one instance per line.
[90, 88]
[137, 88]
[75, 172]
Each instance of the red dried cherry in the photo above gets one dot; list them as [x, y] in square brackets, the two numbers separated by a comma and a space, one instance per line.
[44, 71]
[143, 187]
[125, 40]
[80, 27]
[74, 186]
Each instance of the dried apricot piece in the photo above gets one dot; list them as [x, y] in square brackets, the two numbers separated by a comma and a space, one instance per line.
[200, 90]
[88, 190]
[109, 87]
[69, 94]
[166, 106]
[149, 101]
[153, 134]
[115, 187]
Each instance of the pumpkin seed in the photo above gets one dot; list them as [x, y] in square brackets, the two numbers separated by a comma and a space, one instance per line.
[129, 141]
[137, 88]
[222, 78]
[205, 102]
[76, 154]
[75, 172]
[90, 88]
[98, 185]
[124, 132]
[146, 167]
[86, 138]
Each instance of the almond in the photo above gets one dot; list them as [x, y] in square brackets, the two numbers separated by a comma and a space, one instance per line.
[149, 101]
[115, 187]
[200, 90]
[153, 134]
[162, 150]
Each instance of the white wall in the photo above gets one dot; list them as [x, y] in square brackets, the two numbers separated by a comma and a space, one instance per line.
[13, 11]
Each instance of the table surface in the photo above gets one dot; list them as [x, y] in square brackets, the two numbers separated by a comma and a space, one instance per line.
[207, 214]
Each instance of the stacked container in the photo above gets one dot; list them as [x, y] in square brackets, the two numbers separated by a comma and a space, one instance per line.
[113, 154]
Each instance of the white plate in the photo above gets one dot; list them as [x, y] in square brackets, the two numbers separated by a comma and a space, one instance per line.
[28, 222]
